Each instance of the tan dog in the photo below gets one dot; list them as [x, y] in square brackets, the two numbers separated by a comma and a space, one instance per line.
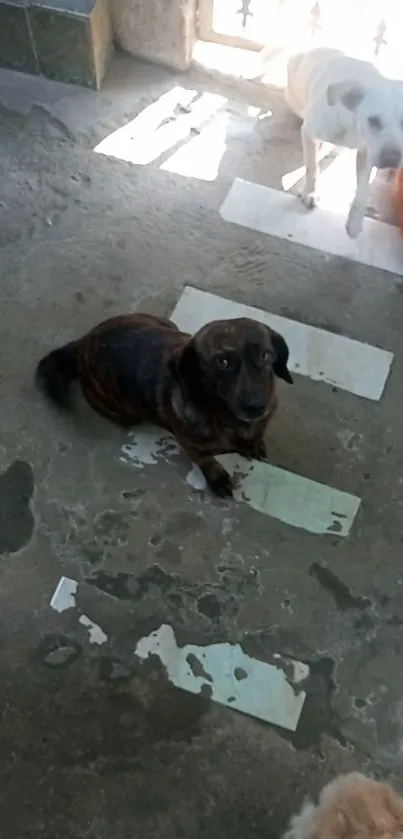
[399, 198]
[350, 807]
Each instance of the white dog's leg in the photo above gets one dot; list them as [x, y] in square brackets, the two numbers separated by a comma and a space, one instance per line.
[357, 210]
[308, 196]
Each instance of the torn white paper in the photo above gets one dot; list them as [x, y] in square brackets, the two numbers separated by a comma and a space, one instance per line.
[63, 597]
[224, 673]
[96, 634]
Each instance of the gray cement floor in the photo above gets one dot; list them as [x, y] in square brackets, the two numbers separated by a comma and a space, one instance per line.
[91, 744]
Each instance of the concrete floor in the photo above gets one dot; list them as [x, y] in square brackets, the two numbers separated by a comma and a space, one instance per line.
[92, 744]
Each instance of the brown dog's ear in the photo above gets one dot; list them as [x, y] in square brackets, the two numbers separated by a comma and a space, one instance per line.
[186, 370]
[282, 354]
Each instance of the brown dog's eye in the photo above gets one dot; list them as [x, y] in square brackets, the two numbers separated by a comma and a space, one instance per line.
[266, 356]
[375, 122]
[223, 363]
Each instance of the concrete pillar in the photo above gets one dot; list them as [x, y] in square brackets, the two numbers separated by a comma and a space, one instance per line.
[158, 30]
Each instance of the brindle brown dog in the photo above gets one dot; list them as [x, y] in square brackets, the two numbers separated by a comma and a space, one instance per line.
[215, 390]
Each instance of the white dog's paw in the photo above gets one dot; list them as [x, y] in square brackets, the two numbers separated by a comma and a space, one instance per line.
[354, 223]
[309, 200]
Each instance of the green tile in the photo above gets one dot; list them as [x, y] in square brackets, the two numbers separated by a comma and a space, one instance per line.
[63, 45]
[17, 50]
[76, 7]
[73, 39]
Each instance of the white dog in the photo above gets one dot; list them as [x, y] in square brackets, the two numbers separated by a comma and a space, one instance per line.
[347, 102]
[351, 807]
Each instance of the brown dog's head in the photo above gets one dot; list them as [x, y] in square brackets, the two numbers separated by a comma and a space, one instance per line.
[232, 364]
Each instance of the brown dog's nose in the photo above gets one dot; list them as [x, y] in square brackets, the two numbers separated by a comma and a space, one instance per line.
[253, 409]
[390, 158]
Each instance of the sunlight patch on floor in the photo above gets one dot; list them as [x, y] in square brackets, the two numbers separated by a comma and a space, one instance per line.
[161, 126]
[184, 131]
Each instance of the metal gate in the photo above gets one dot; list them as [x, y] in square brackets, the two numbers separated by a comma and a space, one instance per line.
[368, 26]
[238, 23]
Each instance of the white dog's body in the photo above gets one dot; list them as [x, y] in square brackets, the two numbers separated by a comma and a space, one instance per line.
[350, 807]
[347, 102]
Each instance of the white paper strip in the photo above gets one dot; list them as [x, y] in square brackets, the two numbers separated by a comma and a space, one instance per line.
[292, 498]
[225, 674]
[281, 214]
[63, 597]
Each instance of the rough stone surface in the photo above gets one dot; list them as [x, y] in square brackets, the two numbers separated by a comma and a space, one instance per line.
[158, 30]
[94, 744]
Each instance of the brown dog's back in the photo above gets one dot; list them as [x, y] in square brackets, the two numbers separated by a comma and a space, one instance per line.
[215, 390]
[119, 357]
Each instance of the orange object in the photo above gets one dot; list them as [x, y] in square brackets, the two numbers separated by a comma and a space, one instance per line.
[399, 198]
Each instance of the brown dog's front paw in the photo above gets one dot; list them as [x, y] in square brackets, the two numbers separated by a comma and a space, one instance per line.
[220, 482]
[254, 451]
[259, 451]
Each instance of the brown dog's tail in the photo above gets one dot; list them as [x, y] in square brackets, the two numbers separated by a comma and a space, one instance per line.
[399, 198]
[55, 373]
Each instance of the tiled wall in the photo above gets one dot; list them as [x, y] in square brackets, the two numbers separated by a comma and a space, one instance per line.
[65, 40]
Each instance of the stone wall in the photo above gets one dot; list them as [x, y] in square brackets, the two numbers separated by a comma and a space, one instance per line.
[158, 30]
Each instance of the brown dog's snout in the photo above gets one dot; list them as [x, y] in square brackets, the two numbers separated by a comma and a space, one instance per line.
[254, 395]
[253, 407]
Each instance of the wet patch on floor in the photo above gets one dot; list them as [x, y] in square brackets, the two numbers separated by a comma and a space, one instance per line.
[16, 518]
[176, 597]
[109, 721]
[58, 650]
[318, 716]
[338, 590]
